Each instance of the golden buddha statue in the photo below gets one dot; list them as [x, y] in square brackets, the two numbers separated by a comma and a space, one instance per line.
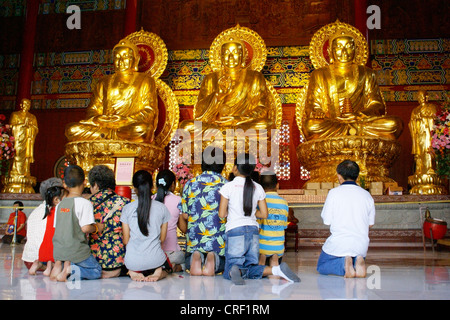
[345, 84]
[341, 111]
[132, 112]
[124, 105]
[425, 180]
[24, 129]
[236, 95]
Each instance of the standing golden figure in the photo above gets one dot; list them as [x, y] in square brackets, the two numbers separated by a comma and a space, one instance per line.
[425, 180]
[122, 118]
[341, 112]
[236, 95]
[24, 129]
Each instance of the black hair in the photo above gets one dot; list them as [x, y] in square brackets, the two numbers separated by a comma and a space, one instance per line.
[73, 176]
[164, 180]
[50, 194]
[20, 205]
[213, 159]
[143, 182]
[245, 164]
[349, 170]
[103, 176]
[268, 180]
[255, 176]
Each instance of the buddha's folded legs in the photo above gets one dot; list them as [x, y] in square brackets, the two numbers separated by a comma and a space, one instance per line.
[382, 127]
[137, 132]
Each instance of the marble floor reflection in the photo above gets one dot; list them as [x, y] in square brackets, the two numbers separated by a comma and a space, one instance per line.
[407, 274]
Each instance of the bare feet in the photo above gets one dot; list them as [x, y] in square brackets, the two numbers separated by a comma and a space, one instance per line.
[62, 276]
[35, 267]
[210, 265]
[157, 275]
[48, 270]
[196, 264]
[139, 277]
[136, 276]
[349, 270]
[57, 269]
[360, 267]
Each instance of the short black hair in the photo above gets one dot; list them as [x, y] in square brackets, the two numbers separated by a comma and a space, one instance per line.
[103, 176]
[268, 180]
[348, 169]
[20, 204]
[73, 176]
[213, 159]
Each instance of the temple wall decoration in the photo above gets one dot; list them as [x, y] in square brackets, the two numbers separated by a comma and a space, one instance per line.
[409, 53]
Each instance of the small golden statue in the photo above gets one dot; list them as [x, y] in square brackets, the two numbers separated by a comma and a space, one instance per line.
[236, 95]
[122, 118]
[24, 129]
[424, 180]
[341, 112]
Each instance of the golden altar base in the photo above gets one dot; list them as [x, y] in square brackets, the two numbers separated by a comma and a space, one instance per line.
[88, 154]
[427, 184]
[18, 184]
[374, 156]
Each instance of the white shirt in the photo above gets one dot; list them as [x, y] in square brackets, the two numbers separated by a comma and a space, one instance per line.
[35, 233]
[83, 211]
[234, 192]
[349, 210]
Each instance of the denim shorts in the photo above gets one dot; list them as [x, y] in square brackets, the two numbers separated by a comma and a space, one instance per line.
[242, 249]
[88, 269]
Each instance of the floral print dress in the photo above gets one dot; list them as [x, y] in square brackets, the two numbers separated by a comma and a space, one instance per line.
[108, 247]
[200, 200]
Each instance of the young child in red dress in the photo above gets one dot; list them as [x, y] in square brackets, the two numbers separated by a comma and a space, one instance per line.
[53, 196]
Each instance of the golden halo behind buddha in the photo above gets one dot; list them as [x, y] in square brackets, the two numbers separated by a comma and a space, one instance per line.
[322, 40]
[153, 52]
[254, 46]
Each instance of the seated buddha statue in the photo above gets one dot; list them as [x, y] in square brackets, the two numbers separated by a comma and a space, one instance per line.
[124, 105]
[344, 99]
[233, 97]
[341, 112]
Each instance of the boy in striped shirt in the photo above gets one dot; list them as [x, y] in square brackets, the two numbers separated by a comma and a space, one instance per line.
[271, 229]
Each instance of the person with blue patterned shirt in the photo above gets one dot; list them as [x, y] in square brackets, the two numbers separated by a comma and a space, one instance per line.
[205, 243]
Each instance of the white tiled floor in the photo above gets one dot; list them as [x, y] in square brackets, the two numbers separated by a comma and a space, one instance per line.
[393, 274]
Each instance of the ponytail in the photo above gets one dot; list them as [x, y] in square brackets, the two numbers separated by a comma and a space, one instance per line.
[164, 180]
[248, 196]
[50, 194]
[246, 165]
[143, 181]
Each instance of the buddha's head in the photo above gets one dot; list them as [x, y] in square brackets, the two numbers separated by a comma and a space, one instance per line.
[25, 105]
[126, 56]
[343, 49]
[233, 55]
[422, 96]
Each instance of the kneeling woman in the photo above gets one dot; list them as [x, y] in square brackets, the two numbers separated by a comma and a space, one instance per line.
[144, 224]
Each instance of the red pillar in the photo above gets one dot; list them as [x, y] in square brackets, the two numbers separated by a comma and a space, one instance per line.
[27, 54]
[131, 16]
[360, 7]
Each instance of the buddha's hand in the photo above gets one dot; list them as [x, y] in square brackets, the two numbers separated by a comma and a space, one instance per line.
[258, 113]
[224, 85]
[111, 121]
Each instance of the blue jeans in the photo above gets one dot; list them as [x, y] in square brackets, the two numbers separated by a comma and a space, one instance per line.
[328, 264]
[242, 249]
[88, 269]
